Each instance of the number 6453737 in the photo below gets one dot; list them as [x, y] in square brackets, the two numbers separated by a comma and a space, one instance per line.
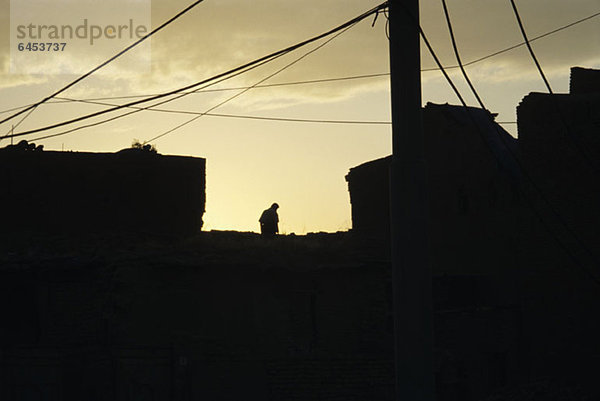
[41, 47]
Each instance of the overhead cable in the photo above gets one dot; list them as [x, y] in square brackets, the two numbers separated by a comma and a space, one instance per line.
[566, 249]
[229, 99]
[240, 116]
[87, 74]
[527, 42]
[478, 60]
[221, 75]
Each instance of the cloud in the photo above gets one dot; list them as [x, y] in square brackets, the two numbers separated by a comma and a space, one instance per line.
[220, 35]
[495, 28]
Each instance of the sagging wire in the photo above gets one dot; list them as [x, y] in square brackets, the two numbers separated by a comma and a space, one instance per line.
[384, 11]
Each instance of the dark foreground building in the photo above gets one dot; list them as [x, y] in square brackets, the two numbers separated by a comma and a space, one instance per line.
[134, 314]
[222, 316]
[230, 316]
[515, 223]
[132, 191]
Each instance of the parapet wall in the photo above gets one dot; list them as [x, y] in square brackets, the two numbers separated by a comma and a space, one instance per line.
[80, 193]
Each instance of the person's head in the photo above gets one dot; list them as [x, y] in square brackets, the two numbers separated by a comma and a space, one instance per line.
[274, 206]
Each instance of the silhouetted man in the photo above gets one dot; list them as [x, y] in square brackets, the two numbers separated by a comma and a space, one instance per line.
[269, 221]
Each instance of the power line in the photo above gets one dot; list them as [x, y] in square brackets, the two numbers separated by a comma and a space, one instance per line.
[345, 78]
[579, 21]
[239, 116]
[537, 63]
[139, 109]
[81, 78]
[19, 108]
[21, 121]
[457, 54]
[523, 171]
[507, 49]
[40, 138]
[199, 114]
[576, 143]
[569, 253]
[293, 83]
[224, 74]
[301, 120]
[184, 94]
[251, 87]
[14, 108]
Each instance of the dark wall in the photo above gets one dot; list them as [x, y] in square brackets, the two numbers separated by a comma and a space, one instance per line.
[368, 185]
[195, 328]
[558, 136]
[560, 141]
[471, 195]
[244, 321]
[486, 234]
[584, 80]
[80, 193]
[199, 330]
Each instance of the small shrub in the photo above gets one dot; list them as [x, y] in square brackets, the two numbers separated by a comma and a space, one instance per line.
[136, 144]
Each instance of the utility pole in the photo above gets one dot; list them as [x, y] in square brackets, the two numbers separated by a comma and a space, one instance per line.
[409, 209]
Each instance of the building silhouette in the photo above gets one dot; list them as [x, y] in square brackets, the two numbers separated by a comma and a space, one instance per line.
[129, 313]
[513, 227]
[81, 193]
